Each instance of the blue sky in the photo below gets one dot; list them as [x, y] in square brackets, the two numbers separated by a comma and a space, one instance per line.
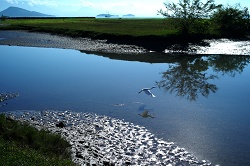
[140, 8]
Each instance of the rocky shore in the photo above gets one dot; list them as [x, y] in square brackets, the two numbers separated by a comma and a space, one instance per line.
[34, 39]
[102, 140]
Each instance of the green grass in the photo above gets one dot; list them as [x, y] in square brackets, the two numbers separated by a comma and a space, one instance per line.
[21, 144]
[95, 27]
[152, 34]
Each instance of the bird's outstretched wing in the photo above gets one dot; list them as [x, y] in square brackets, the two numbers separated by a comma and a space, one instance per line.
[147, 91]
[152, 95]
[140, 91]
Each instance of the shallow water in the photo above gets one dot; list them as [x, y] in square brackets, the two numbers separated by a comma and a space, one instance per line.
[201, 102]
[225, 46]
[215, 46]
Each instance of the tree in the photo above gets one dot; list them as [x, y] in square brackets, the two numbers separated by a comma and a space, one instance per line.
[187, 13]
[232, 20]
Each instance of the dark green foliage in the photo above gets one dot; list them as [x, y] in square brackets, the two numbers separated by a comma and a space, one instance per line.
[23, 143]
[14, 155]
[232, 21]
[188, 14]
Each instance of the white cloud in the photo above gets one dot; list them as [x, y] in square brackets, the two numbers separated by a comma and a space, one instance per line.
[42, 2]
[34, 2]
[146, 7]
[12, 1]
[85, 3]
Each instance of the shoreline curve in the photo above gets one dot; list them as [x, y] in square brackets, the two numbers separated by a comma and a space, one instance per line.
[46, 40]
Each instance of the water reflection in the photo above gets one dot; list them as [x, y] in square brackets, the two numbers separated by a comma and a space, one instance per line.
[216, 129]
[229, 65]
[145, 114]
[189, 77]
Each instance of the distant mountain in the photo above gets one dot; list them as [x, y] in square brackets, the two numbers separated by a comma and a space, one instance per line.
[128, 15]
[114, 16]
[106, 16]
[19, 12]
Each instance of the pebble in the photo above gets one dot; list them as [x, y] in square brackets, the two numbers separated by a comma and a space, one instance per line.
[99, 140]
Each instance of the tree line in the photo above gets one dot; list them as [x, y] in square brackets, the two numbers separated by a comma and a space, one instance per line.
[196, 16]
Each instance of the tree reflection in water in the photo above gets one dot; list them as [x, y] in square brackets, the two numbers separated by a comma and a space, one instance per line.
[189, 77]
[228, 65]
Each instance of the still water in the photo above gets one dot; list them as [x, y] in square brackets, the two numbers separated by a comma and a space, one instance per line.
[201, 104]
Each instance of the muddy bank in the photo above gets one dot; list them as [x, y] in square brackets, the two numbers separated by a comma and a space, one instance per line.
[32, 39]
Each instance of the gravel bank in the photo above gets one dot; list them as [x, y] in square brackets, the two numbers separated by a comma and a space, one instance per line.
[32, 39]
[101, 140]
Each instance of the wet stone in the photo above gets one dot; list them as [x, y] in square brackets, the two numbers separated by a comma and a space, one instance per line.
[60, 124]
[108, 145]
[81, 142]
[79, 155]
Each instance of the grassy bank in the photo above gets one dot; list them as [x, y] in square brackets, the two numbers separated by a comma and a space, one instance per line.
[153, 34]
[95, 27]
[21, 144]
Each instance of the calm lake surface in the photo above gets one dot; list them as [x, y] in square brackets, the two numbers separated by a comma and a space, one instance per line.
[201, 104]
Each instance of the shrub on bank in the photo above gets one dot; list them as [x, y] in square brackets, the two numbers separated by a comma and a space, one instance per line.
[21, 144]
[232, 21]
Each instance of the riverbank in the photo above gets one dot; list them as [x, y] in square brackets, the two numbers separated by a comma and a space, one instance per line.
[101, 140]
[117, 34]
[150, 34]
[35, 39]
[104, 48]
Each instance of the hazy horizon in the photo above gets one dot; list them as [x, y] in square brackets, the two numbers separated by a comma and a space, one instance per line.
[87, 8]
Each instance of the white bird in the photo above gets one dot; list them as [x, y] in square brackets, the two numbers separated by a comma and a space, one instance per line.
[148, 92]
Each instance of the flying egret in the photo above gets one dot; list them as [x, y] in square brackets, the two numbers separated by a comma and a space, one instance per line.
[147, 91]
[145, 114]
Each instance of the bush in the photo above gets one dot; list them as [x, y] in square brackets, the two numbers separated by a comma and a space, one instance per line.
[232, 21]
